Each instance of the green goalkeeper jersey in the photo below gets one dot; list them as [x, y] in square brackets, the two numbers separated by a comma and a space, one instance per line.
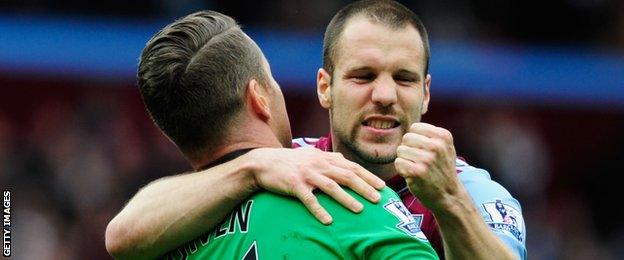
[271, 226]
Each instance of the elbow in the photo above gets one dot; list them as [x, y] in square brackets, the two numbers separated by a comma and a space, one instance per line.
[118, 242]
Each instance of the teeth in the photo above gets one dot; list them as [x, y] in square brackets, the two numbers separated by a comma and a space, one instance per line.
[379, 124]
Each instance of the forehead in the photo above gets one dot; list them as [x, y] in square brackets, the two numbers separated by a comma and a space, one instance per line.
[367, 43]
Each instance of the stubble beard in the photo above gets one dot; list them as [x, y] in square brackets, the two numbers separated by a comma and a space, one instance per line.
[351, 143]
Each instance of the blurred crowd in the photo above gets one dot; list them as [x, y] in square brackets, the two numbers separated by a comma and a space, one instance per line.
[594, 22]
[72, 165]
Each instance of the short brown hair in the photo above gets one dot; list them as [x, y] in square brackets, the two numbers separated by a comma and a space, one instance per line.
[192, 76]
[388, 13]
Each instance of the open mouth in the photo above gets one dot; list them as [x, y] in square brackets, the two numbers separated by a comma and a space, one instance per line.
[381, 123]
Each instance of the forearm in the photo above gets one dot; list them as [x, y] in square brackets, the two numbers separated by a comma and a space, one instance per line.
[172, 210]
[465, 234]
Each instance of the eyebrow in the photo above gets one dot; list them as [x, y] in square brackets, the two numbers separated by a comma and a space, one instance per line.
[402, 72]
[360, 69]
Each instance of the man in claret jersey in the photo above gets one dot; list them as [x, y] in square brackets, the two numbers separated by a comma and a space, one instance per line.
[375, 85]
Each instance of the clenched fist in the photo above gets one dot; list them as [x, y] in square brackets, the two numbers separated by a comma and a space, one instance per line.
[426, 159]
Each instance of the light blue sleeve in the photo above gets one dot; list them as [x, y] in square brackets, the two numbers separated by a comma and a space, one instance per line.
[501, 212]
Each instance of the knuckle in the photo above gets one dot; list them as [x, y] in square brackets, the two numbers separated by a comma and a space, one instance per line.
[429, 159]
[401, 149]
[293, 181]
[315, 162]
[397, 162]
[302, 172]
[413, 127]
[425, 159]
[353, 168]
[328, 185]
[307, 178]
[438, 145]
[308, 198]
[401, 168]
[346, 176]
[446, 135]
[406, 137]
[418, 169]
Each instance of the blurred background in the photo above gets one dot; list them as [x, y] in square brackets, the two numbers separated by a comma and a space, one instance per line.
[532, 90]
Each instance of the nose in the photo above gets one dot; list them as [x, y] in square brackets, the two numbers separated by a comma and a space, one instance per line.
[384, 91]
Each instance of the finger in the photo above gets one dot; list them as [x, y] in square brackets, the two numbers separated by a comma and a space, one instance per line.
[438, 145]
[409, 169]
[402, 166]
[415, 154]
[311, 203]
[432, 131]
[331, 188]
[423, 128]
[368, 177]
[351, 179]
[416, 140]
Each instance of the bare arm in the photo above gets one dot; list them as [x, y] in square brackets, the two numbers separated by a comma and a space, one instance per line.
[426, 158]
[173, 210]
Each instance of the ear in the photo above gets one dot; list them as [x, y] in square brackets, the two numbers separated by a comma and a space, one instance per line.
[258, 100]
[426, 94]
[323, 88]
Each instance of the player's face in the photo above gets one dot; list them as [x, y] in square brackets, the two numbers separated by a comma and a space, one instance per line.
[378, 89]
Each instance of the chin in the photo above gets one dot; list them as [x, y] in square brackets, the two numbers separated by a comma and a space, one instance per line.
[377, 155]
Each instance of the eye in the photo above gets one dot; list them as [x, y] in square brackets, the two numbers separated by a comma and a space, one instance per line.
[405, 80]
[363, 78]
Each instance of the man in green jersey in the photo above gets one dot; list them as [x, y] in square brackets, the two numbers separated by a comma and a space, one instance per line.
[272, 226]
[209, 88]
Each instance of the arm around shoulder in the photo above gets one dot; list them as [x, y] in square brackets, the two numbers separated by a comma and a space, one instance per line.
[175, 209]
[182, 207]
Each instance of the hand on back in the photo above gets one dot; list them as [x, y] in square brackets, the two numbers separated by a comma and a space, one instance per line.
[298, 172]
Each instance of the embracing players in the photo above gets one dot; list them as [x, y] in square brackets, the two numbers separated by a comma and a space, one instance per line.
[375, 84]
[209, 88]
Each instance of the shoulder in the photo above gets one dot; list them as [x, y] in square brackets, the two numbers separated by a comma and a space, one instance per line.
[389, 220]
[267, 202]
[385, 230]
[389, 214]
[500, 210]
[479, 182]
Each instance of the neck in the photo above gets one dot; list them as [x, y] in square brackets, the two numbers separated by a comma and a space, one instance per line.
[383, 171]
[240, 136]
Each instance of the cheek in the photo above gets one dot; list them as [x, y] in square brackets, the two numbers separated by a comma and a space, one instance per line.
[351, 98]
[411, 101]
[344, 112]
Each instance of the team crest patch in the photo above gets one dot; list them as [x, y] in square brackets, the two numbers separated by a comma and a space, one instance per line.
[407, 222]
[505, 218]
